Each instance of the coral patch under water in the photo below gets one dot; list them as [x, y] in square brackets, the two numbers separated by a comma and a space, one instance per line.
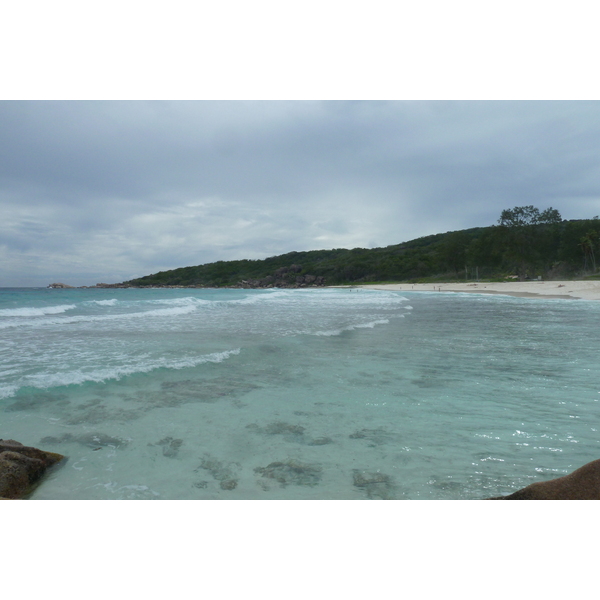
[170, 446]
[33, 401]
[375, 484]
[225, 473]
[92, 440]
[202, 390]
[376, 437]
[289, 432]
[291, 472]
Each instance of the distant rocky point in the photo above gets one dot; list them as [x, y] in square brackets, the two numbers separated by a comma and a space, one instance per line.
[64, 286]
[292, 276]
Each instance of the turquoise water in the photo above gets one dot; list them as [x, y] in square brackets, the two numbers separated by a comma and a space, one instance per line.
[298, 394]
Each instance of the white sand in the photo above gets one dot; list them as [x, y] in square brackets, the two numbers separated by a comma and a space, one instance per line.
[585, 290]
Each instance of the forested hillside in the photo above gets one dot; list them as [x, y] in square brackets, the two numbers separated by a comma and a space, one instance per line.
[526, 243]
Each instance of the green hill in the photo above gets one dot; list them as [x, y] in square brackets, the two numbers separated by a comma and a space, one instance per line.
[552, 250]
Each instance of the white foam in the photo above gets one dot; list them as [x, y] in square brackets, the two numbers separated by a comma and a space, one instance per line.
[317, 296]
[186, 301]
[258, 298]
[9, 371]
[6, 391]
[348, 299]
[80, 376]
[29, 311]
[110, 302]
[369, 325]
[159, 312]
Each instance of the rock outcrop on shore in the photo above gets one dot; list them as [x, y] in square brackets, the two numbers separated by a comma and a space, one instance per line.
[284, 277]
[582, 484]
[22, 467]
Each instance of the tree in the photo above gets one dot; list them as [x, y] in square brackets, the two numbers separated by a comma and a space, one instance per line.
[523, 234]
[521, 216]
[453, 250]
[588, 243]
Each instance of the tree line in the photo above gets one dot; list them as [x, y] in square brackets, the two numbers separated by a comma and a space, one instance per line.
[525, 243]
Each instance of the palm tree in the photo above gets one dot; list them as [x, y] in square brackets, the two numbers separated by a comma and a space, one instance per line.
[587, 244]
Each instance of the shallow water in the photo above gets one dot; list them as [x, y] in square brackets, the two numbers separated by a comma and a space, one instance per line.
[298, 394]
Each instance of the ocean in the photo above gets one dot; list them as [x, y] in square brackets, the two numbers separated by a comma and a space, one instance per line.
[334, 393]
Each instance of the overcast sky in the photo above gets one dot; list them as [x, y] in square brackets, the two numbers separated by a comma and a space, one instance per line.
[101, 191]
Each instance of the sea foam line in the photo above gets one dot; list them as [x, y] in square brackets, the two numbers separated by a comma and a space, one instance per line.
[30, 311]
[369, 325]
[185, 301]
[6, 391]
[78, 377]
[110, 302]
[159, 312]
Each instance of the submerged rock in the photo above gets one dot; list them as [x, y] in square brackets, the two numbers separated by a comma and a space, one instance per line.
[96, 414]
[222, 472]
[377, 485]
[291, 433]
[280, 427]
[92, 440]
[320, 441]
[21, 468]
[228, 484]
[176, 393]
[291, 472]
[376, 437]
[582, 484]
[170, 446]
[37, 400]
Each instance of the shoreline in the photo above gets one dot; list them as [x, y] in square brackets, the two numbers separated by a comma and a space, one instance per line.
[560, 290]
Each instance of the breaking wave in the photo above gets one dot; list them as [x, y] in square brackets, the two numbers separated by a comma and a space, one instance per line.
[111, 302]
[369, 325]
[159, 312]
[28, 311]
[47, 380]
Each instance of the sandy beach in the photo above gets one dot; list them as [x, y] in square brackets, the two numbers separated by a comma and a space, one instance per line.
[584, 290]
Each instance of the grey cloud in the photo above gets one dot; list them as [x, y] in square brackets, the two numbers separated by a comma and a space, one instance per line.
[127, 188]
